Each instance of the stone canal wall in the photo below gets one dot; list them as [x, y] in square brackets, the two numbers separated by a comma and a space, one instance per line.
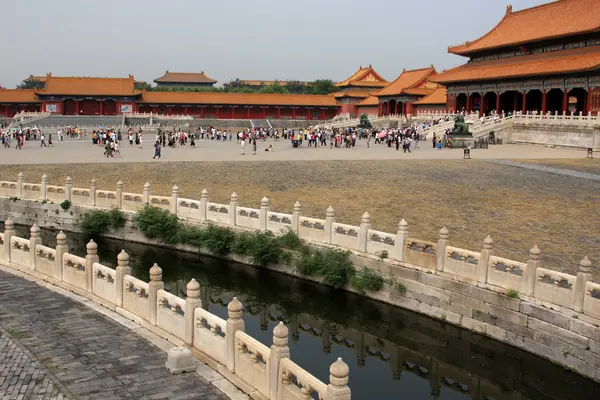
[549, 313]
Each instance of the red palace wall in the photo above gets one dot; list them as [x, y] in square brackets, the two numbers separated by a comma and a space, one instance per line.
[366, 110]
[348, 108]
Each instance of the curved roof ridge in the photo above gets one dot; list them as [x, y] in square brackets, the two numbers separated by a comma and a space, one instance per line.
[560, 18]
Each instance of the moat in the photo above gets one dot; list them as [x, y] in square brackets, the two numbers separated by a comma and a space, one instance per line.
[392, 353]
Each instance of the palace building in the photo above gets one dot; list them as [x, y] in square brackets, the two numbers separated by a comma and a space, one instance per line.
[398, 97]
[357, 88]
[185, 79]
[544, 59]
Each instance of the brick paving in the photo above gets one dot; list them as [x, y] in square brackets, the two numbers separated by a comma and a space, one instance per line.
[52, 347]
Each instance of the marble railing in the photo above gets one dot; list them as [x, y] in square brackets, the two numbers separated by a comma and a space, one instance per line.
[261, 371]
[478, 268]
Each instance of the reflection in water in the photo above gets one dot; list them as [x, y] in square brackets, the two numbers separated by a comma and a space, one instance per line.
[392, 353]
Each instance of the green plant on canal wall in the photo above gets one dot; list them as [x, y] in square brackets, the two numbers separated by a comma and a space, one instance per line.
[98, 222]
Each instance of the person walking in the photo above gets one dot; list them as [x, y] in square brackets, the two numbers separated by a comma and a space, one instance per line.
[243, 145]
[43, 140]
[253, 147]
[157, 149]
[50, 140]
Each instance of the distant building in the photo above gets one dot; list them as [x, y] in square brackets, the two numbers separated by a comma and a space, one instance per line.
[258, 83]
[185, 79]
[410, 86]
[357, 88]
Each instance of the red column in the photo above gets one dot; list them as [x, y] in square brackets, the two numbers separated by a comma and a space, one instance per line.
[248, 112]
[153, 109]
[101, 107]
[232, 112]
[76, 107]
[59, 107]
[588, 101]
[185, 110]
[218, 113]
[468, 102]
[308, 116]
[169, 110]
[544, 102]
[379, 109]
[279, 112]
[293, 113]
[566, 101]
[482, 105]
[515, 101]
[263, 112]
[322, 114]
[524, 101]
[6, 111]
[118, 107]
[42, 106]
[201, 112]
[498, 103]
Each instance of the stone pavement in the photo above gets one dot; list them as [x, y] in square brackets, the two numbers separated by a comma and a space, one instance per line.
[53, 347]
[82, 151]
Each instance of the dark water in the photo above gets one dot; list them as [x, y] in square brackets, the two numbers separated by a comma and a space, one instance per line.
[392, 353]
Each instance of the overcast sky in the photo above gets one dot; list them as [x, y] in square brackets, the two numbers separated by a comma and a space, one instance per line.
[246, 39]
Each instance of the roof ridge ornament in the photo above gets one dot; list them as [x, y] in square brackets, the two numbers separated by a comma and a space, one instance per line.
[509, 9]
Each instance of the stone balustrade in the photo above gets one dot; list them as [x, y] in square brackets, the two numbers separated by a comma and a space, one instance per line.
[261, 371]
[473, 289]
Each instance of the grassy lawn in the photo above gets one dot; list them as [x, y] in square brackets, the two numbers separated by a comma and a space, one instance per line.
[517, 207]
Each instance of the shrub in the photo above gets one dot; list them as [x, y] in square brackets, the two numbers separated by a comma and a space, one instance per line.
[98, 222]
[335, 268]
[192, 236]
[264, 248]
[65, 205]
[309, 262]
[513, 294]
[401, 288]
[156, 223]
[289, 240]
[217, 240]
[367, 280]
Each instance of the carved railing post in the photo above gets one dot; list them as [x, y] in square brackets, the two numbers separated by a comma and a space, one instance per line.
[584, 274]
[338, 377]
[174, 199]
[329, 220]
[528, 281]
[234, 323]
[119, 195]
[34, 240]
[44, 188]
[484, 260]
[441, 248]
[91, 257]
[296, 216]
[191, 302]
[401, 238]
[93, 192]
[233, 205]
[363, 232]
[263, 214]
[61, 248]
[9, 232]
[203, 204]
[122, 269]
[279, 350]
[20, 185]
[146, 193]
[154, 286]
[68, 186]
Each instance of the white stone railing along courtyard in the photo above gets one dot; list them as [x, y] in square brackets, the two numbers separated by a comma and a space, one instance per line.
[258, 370]
[473, 289]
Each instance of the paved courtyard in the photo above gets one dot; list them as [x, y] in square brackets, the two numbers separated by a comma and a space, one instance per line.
[52, 347]
[82, 151]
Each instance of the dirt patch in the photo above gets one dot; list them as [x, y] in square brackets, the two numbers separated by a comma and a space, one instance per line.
[517, 207]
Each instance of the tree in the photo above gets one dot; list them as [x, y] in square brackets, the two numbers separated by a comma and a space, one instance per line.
[141, 85]
[364, 122]
[295, 86]
[323, 86]
[30, 85]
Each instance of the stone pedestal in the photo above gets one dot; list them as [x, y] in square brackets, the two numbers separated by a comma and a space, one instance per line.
[180, 359]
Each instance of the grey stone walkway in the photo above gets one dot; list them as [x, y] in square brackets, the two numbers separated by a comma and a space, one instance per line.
[52, 347]
[560, 171]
